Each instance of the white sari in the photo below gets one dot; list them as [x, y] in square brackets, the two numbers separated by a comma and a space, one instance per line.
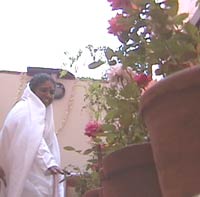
[28, 147]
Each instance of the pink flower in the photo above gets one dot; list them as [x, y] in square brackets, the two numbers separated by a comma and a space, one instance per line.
[118, 24]
[115, 71]
[142, 79]
[119, 76]
[92, 128]
[95, 167]
[120, 4]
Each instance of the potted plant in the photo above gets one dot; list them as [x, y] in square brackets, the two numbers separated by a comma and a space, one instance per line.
[153, 33]
[116, 131]
[122, 132]
[88, 178]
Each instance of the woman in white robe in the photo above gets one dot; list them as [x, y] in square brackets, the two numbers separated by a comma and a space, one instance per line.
[29, 151]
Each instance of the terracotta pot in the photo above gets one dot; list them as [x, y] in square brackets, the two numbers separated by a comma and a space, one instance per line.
[72, 181]
[171, 112]
[70, 184]
[130, 172]
[94, 193]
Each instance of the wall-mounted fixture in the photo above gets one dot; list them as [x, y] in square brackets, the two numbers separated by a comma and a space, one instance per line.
[60, 91]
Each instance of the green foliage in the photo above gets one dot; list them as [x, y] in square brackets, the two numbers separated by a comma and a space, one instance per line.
[95, 99]
[73, 59]
[155, 34]
[118, 110]
[85, 180]
[158, 35]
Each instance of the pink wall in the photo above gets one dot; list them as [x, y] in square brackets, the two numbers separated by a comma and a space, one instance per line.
[187, 6]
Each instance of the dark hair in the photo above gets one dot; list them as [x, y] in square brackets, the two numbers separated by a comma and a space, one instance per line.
[39, 79]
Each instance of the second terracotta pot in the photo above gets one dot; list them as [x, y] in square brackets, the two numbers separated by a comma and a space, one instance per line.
[130, 172]
[94, 193]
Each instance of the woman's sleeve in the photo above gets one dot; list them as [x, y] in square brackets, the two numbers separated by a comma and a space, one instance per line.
[44, 156]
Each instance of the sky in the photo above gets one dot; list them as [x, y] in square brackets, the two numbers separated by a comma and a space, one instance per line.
[36, 33]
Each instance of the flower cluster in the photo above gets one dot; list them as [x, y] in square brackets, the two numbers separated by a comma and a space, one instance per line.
[120, 77]
[153, 33]
[118, 24]
[120, 4]
[93, 128]
[142, 80]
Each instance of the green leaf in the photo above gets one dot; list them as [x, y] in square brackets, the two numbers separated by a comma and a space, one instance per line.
[130, 91]
[192, 31]
[173, 7]
[180, 18]
[109, 53]
[88, 151]
[111, 138]
[63, 73]
[69, 148]
[95, 64]
[108, 127]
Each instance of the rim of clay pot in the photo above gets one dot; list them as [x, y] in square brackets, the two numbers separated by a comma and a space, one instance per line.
[72, 180]
[127, 157]
[97, 192]
[187, 78]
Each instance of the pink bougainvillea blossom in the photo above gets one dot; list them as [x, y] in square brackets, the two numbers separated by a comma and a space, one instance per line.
[95, 167]
[134, 7]
[114, 71]
[93, 128]
[119, 4]
[119, 76]
[142, 79]
[118, 24]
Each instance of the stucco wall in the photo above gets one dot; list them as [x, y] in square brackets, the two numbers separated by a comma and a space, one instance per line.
[187, 6]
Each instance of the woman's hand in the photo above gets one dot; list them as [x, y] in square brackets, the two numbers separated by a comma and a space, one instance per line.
[55, 170]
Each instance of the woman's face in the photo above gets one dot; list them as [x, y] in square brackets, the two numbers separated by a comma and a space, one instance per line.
[45, 92]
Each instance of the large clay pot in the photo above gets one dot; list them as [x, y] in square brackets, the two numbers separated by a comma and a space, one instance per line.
[171, 112]
[72, 181]
[94, 193]
[130, 172]
[70, 185]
